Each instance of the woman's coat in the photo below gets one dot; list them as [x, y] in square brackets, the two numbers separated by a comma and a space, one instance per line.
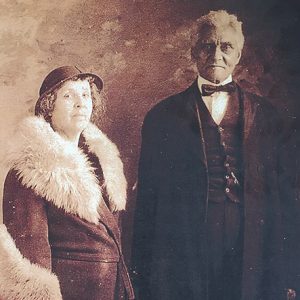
[60, 217]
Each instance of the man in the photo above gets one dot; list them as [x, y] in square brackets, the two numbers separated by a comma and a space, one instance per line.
[207, 223]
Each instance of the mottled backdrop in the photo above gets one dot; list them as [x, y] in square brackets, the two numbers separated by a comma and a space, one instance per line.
[141, 49]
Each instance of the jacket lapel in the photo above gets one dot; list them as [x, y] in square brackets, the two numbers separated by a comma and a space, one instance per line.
[106, 216]
[248, 109]
[192, 97]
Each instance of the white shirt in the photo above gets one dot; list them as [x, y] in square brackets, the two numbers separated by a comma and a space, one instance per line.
[217, 102]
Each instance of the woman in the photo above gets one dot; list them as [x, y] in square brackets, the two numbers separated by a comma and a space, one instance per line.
[65, 182]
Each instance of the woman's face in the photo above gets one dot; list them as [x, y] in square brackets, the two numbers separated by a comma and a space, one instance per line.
[73, 107]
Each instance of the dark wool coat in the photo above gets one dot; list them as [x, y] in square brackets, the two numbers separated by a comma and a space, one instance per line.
[55, 211]
[290, 191]
[169, 255]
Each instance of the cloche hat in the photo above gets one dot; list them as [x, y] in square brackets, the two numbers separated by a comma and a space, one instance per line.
[59, 76]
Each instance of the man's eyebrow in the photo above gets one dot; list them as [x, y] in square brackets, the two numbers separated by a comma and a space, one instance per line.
[227, 44]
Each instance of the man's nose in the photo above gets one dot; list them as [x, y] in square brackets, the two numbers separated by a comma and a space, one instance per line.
[217, 54]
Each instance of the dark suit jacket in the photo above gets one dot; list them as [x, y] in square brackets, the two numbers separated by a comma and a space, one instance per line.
[169, 254]
[290, 195]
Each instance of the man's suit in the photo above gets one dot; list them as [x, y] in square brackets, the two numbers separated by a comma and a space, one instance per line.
[169, 249]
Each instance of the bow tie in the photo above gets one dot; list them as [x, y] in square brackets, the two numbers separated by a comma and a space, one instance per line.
[208, 89]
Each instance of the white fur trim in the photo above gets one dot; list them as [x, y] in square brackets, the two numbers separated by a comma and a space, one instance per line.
[61, 173]
[112, 166]
[20, 279]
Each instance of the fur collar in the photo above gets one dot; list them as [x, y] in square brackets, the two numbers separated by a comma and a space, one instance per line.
[61, 173]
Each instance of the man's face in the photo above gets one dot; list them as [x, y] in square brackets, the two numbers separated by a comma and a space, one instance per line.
[216, 53]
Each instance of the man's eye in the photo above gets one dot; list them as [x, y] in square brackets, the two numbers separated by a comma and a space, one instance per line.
[226, 47]
[207, 47]
[85, 95]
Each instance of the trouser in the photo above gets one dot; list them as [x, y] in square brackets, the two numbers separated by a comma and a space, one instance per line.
[224, 250]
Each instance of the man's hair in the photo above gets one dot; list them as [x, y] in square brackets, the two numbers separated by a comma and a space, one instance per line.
[218, 19]
[47, 104]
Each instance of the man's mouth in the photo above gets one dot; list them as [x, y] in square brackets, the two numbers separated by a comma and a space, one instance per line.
[216, 66]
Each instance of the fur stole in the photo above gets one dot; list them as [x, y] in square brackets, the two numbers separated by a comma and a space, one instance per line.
[61, 173]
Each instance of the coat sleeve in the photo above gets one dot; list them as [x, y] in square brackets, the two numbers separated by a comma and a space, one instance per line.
[25, 254]
[290, 196]
[145, 210]
[275, 284]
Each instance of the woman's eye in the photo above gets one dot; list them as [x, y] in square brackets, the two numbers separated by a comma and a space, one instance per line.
[66, 95]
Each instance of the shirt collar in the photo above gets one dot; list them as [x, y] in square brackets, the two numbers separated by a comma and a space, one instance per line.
[201, 80]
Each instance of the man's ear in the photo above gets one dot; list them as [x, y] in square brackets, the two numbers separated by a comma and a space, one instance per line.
[194, 53]
[239, 56]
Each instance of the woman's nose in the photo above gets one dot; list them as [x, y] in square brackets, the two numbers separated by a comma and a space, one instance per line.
[79, 101]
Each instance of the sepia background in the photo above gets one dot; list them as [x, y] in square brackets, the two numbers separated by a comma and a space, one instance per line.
[141, 50]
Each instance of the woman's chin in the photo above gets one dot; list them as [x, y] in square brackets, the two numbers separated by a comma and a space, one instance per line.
[80, 124]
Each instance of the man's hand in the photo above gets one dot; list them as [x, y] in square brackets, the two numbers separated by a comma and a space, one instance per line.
[291, 294]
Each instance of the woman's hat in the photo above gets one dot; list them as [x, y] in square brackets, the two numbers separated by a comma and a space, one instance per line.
[59, 76]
